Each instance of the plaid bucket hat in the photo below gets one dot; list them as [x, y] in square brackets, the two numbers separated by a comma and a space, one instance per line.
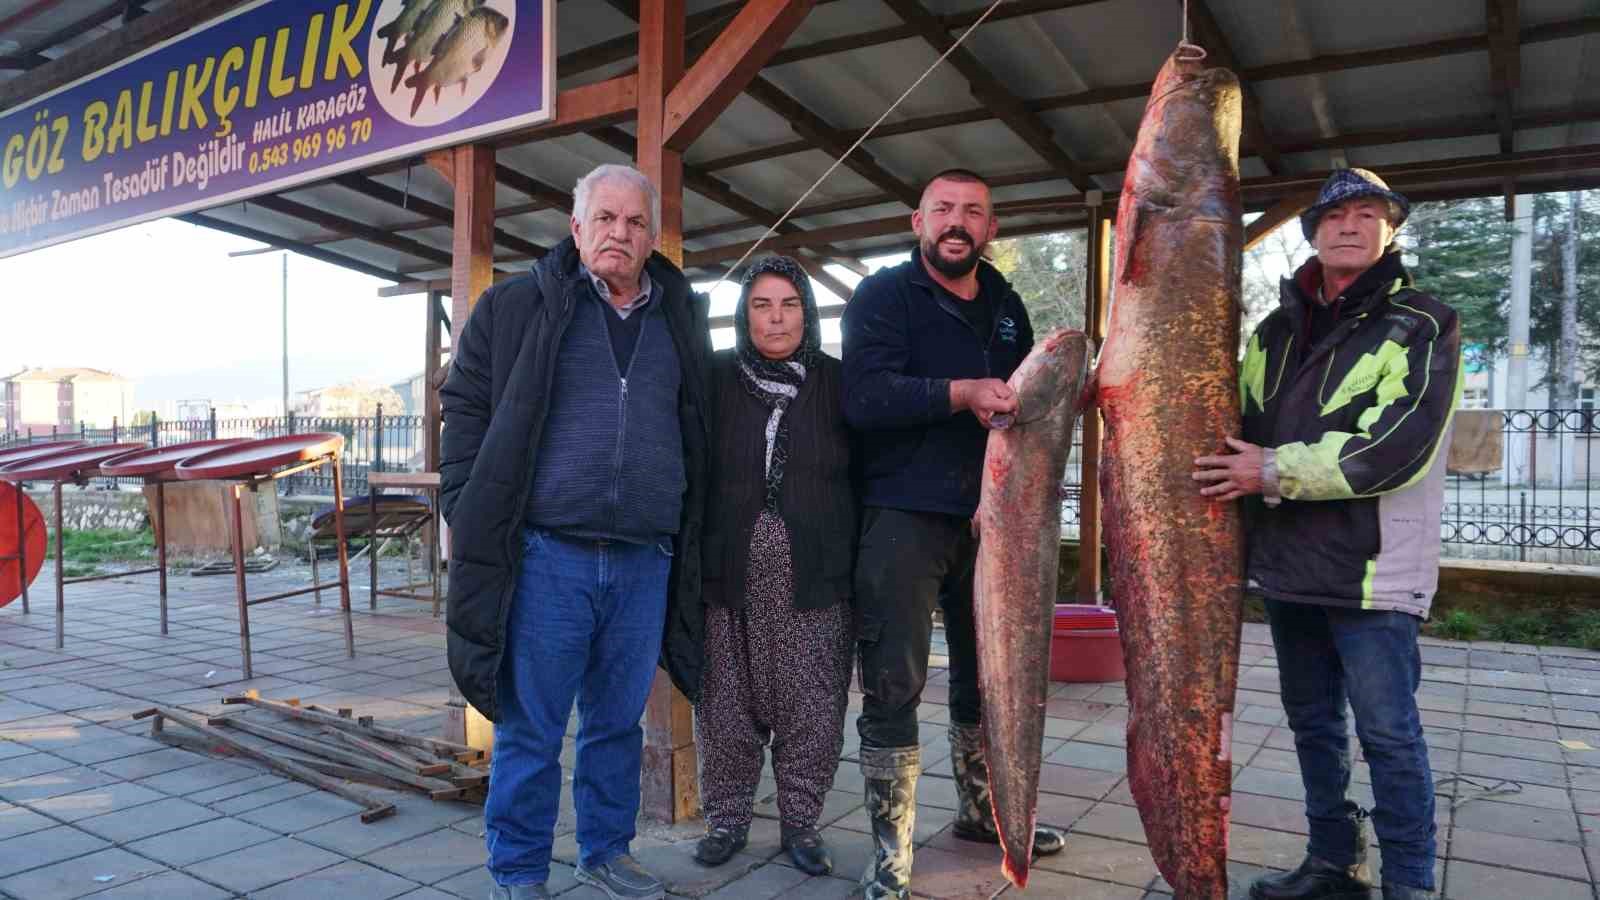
[1351, 184]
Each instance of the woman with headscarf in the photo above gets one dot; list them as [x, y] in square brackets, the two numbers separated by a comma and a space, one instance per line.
[779, 549]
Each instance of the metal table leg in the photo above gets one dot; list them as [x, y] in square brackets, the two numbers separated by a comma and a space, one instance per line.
[234, 490]
[344, 557]
[161, 548]
[61, 575]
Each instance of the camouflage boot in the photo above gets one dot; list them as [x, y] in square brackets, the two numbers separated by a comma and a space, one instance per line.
[892, 804]
[975, 810]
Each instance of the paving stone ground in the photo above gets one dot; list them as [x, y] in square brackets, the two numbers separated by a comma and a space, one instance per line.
[90, 806]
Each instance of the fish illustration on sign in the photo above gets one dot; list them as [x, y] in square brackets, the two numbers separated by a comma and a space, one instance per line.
[401, 25]
[429, 28]
[459, 54]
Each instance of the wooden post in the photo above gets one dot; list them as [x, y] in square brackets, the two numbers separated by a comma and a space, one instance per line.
[470, 170]
[670, 787]
[1096, 295]
[431, 381]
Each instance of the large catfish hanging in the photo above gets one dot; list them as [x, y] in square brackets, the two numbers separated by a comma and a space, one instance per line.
[1169, 390]
[1019, 548]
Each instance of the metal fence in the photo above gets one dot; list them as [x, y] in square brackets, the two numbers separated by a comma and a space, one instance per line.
[1535, 501]
[1538, 503]
[380, 443]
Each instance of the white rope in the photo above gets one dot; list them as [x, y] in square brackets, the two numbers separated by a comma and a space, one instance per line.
[1187, 51]
[859, 141]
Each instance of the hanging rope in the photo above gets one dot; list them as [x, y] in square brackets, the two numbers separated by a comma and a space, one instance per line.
[1187, 51]
[859, 141]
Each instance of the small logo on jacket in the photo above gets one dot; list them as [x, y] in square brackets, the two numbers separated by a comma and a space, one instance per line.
[1008, 329]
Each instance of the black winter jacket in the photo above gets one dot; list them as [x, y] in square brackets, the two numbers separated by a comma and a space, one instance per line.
[495, 402]
[904, 342]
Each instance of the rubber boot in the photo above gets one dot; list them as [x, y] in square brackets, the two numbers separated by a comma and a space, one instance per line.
[1316, 879]
[891, 792]
[975, 810]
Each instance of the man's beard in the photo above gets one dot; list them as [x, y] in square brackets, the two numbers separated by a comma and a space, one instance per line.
[952, 268]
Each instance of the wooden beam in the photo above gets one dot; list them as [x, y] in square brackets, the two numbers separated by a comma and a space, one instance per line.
[547, 194]
[372, 234]
[828, 139]
[282, 243]
[436, 214]
[1010, 10]
[670, 781]
[469, 168]
[822, 276]
[168, 21]
[991, 93]
[1097, 296]
[33, 56]
[1285, 210]
[1505, 68]
[1211, 36]
[580, 109]
[728, 66]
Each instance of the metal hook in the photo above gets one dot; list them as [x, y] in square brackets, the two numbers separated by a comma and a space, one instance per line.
[1188, 52]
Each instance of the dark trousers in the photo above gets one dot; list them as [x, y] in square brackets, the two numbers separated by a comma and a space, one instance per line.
[1327, 656]
[907, 562]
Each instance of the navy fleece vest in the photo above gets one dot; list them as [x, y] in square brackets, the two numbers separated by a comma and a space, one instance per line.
[610, 463]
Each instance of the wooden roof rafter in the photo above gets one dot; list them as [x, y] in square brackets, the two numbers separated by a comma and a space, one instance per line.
[1210, 35]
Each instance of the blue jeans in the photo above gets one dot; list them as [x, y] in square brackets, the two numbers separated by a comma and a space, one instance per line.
[1327, 655]
[585, 623]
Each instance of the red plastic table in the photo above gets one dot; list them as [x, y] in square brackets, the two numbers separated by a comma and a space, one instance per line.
[157, 466]
[249, 465]
[24, 533]
[77, 465]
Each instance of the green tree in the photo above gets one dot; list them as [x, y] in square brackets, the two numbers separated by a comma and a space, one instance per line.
[1047, 271]
[1460, 251]
[1551, 233]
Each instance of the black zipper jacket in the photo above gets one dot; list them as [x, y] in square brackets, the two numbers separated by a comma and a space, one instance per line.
[904, 342]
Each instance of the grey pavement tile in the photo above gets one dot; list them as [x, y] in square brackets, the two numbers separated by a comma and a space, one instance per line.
[265, 864]
[1520, 748]
[77, 877]
[1046, 883]
[16, 710]
[33, 763]
[1265, 848]
[432, 857]
[15, 820]
[41, 848]
[1520, 711]
[1112, 820]
[97, 801]
[1101, 858]
[168, 814]
[239, 788]
[53, 784]
[204, 841]
[1090, 756]
[105, 749]
[165, 886]
[473, 885]
[1547, 857]
[257, 799]
[763, 883]
[351, 837]
[1269, 782]
[155, 762]
[1517, 728]
[425, 893]
[202, 777]
[1518, 821]
[1276, 813]
[301, 812]
[1471, 881]
[1505, 767]
[349, 880]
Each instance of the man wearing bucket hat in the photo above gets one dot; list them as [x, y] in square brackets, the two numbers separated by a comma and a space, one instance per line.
[1348, 389]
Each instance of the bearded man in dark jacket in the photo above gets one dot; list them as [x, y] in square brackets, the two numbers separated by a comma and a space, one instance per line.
[572, 474]
[1347, 391]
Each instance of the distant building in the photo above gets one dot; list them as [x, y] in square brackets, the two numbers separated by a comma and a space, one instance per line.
[35, 400]
[356, 399]
[412, 392]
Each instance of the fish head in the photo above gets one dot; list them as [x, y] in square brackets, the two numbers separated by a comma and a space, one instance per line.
[493, 22]
[1188, 148]
[1053, 373]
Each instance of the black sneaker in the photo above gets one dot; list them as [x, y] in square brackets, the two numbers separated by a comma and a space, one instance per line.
[1315, 879]
[809, 851]
[622, 879]
[719, 845]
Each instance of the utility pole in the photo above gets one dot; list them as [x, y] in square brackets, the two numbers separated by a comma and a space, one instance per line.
[1521, 282]
[286, 333]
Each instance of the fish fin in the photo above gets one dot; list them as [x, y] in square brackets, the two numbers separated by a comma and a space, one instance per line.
[400, 68]
[1127, 237]
[436, 93]
[416, 99]
[478, 58]
[388, 48]
[463, 87]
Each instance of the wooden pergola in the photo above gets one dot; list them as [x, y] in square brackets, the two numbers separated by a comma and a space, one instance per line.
[734, 108]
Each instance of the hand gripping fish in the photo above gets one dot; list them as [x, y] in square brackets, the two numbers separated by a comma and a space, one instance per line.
[1169, 390]
[1019, 547]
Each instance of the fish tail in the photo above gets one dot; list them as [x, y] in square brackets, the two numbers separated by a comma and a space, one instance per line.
[399, 72]
[416, 99]
[1016, 873]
